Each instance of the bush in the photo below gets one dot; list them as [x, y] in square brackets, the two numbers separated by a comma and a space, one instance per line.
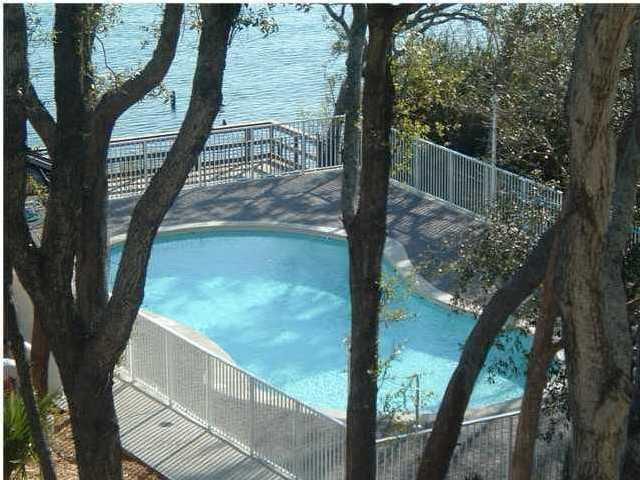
[19, 448]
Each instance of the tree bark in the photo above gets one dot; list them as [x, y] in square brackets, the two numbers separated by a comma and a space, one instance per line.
[446, 429]
[15, 135]
[542, 353]
[627, 175]
[348, 104]
[366, 235]
[590, 297]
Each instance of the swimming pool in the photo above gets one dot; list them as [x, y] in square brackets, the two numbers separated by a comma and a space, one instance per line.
[278, 303]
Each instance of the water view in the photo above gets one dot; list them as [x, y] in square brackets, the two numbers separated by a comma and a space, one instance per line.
[282, 76]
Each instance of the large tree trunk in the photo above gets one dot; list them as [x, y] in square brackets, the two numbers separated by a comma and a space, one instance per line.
[15, 134]
[94, 422]
[591, 296]
[624, 199]
[366, 235]
[446, 429]
[87, 334]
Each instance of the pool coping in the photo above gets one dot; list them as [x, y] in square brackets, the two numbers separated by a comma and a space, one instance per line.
[394, 253]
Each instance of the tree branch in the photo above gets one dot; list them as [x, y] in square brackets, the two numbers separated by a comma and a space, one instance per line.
[116, 101]
[206, 98]
[437, 14]
[39, 117]
[339, 19]
[446, 429]
[22, 249]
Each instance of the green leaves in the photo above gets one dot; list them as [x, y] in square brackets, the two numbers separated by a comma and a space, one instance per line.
[19, 449]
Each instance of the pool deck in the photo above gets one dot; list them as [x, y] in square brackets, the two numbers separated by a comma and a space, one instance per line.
[427, 228]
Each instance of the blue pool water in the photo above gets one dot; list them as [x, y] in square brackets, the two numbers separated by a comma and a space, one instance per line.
[279, 305]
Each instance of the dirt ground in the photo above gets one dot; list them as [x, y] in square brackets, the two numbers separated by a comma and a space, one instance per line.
[63, 453]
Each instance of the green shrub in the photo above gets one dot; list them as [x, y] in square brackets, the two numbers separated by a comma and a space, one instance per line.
[19, 448]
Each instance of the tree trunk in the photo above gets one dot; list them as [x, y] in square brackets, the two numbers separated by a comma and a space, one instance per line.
[542, 353]
[366, 236]
[94, 422]
[25, 387]
[446, 429]
[348, 103]
[590, 298]
[627, 175]
[87, 334]
[15, 135]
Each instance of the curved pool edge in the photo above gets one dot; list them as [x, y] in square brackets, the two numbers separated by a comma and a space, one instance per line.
[394, 253]
[189, 334]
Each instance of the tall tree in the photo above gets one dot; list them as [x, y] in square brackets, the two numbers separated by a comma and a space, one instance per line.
[623, 201]
[15, 136]
[590, 290]
[65, 276]
[366, 232]
[629, 151]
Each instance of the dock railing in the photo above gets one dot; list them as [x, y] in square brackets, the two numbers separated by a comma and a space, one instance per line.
[231, 153]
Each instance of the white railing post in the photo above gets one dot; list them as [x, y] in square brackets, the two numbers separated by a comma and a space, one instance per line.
[252, 415]
[130, 353]
[144, 163]
[296, 441]
[510, 447]
[450, 179]
[303, 146]
[206, 391]
[167, 362]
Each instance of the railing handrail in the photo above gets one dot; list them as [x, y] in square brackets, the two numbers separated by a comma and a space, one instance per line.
[222, 128]
[174, 133]
[426, 431]
[485, 163]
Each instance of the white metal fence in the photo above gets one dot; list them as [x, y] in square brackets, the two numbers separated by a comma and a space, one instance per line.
[483, 452]
[468, 183]
[295, 439]
[231, 153]
[264, 422]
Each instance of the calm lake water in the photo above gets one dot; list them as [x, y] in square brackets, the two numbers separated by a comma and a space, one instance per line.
[283, 76]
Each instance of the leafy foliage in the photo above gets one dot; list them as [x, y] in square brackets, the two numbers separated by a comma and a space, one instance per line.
[446, 87]
[19, 448]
